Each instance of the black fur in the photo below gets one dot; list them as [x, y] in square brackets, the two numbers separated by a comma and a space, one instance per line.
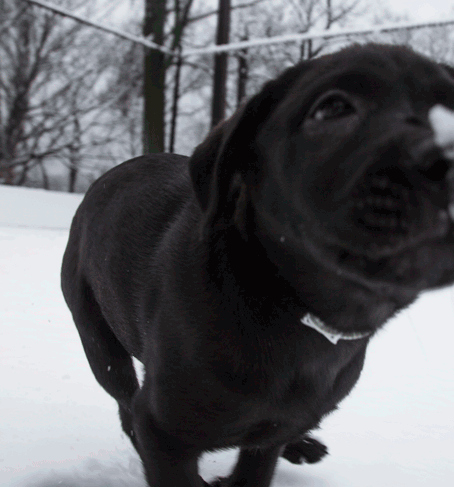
[326, 194]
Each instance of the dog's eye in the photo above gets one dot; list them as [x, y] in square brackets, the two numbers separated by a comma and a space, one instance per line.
[332, 107]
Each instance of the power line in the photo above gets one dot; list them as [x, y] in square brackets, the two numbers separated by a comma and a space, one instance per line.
[105, 28]
[236, 46]
[323, 34]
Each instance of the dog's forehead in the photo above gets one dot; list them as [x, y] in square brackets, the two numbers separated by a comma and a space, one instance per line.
[385, 62]
[386, 77]
[376, 71]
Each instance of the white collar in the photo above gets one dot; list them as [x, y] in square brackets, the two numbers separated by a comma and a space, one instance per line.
[331, 334]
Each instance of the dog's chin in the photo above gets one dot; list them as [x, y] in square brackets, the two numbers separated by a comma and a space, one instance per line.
[426, 266]
[414, 250]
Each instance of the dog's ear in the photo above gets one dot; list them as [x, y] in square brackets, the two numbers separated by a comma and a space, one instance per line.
[228, 157]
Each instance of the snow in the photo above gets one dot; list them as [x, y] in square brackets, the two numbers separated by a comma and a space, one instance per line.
[442, 123]
[58, 427]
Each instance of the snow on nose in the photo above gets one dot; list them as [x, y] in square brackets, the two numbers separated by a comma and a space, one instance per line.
[442, 122]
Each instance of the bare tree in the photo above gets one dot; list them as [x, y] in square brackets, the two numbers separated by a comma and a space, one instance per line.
[278, 17]
[53, 91]
[166, 23]
[436, 42]
[66, 96]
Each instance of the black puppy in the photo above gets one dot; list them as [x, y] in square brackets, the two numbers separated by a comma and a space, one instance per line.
[249, 278]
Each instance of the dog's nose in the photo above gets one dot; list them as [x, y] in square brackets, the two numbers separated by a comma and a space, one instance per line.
[442, 122]
[433, 155]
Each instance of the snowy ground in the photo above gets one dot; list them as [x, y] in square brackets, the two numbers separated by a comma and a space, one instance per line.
[58, 428]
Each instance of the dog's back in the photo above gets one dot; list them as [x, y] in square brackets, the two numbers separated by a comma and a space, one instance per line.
[116, 232]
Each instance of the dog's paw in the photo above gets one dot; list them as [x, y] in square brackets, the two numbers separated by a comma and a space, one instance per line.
[306, 450]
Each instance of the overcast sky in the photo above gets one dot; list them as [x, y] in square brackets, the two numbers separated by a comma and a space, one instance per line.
[420, 10]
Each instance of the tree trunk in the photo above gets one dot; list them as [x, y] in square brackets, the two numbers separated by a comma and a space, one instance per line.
[176, 97]
[243, 74]
[220, 64]
[44, 175]
[74, 155]
[154, 78]
[6, 173]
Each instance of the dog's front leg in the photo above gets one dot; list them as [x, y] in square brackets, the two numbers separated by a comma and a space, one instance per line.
[254, 468]
[166, 460]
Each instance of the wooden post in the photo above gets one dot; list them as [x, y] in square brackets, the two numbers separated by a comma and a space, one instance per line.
[220, 64]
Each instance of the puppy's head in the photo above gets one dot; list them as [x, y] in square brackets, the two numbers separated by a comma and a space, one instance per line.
[344, 159]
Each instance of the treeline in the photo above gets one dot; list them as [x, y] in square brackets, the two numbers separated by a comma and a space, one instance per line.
[75, 101]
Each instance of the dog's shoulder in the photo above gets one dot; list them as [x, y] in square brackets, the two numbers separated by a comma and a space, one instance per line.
[149, 172]
[151, 180]
[133, 203]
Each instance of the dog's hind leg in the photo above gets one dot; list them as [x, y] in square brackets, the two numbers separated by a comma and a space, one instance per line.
[110, 363]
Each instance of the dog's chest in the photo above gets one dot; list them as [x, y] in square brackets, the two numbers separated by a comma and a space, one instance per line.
[281, 402]
[262, 422]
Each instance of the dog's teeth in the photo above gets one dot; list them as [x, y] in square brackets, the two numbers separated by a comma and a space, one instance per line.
[393, 222]
[381, 183]
[380, 221]
[360, 205]
[405, 225]
[390, 203]
[372, 219]
[388, 222]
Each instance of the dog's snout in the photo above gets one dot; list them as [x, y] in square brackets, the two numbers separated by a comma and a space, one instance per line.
[426, 158]
[430, 160]
[415, 121]
[436, 170]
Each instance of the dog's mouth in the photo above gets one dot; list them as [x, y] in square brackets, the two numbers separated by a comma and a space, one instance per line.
[395, 207]
[383, 203]
[402, 229]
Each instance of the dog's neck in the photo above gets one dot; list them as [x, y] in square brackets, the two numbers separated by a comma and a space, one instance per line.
[329, 333]
[340, 308]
